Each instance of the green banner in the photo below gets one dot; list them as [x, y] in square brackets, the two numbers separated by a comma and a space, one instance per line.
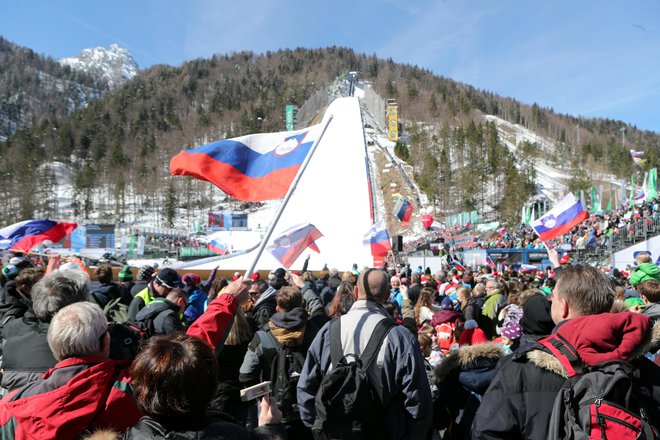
[192, 251]
[652, 185]
[474, 217]
[595, 200]
[290, 114]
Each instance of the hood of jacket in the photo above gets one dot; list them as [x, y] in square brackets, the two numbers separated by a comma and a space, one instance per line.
[645, 272]
[652, 311]
[155, 308]
[536, 319]
[289, 327]
[475, 365]
[601, 338]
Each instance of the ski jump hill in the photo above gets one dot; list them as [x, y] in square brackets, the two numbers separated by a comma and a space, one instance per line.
[333, 194]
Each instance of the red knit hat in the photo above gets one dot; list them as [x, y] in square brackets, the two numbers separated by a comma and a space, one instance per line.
[473, 336]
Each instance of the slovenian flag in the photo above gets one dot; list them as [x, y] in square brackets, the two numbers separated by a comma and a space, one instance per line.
[561, 219]
[458, 265]
[490, 262]
[255, 167]
[25, 235]
[217, 247]
[403, 210]
[293, 242]
[378, 239]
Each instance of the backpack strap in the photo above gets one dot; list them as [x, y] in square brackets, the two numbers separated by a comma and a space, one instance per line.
[565, 353]
[376, 341]
[334, 334]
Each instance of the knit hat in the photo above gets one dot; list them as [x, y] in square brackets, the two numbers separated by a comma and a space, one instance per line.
[10, 272]
[146, 273]
[280, 273]
[236, 276]
[634, 302]
[125, 274]
[472, 336]
[512, 331]
[191, 279]
[16, 261]
[255, 276]
[446, 304]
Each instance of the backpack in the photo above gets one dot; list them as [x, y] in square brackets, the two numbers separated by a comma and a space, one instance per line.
[284, 374]
[445, 335]
[604, 401]
[346, 404]
[116, 310]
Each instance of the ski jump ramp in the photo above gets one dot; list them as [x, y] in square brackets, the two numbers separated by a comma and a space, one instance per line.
[333, 194]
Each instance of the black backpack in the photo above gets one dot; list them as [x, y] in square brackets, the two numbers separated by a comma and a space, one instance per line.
[284, 374]
[604, 401]
[346, 404]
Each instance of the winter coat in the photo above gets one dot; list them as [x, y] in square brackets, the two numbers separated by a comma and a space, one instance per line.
[213, 426]
[289, 328]
[494, 302]
[398, 375]
[75, 395]
[139, 301]
[106, 292]
[519, 401]
[196, 301]
[26, 358]
[228, 397]
[164, 315]
[471, 311]
[652, 311]
[462, 379]
[645, 272]
[138, 287]
[261, 312]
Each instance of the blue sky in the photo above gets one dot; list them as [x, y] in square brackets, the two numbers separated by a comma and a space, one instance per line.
[584, 58]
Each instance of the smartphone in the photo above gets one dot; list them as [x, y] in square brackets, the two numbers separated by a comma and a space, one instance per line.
[255, 391]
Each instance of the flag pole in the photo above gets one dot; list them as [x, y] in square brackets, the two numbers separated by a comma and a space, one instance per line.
[280, 210]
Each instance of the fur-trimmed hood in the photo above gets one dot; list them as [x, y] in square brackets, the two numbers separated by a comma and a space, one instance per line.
[598, 338]
[469, 357]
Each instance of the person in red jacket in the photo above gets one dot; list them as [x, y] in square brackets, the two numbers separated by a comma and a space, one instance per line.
[86, 391]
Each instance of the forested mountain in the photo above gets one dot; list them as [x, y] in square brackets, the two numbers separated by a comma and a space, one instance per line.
[33, 87]
[117, 150]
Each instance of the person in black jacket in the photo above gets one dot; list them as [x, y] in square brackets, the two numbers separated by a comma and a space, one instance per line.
[264, 304]
[174, 378]
[164, 315]
[107, 290]
[519, 401]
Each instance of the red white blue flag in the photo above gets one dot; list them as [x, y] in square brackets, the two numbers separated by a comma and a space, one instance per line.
[217, 247]
[490, 262]
[379, 240]
[403, 210]
[561, 219]
[458, 265]
[25, 235]
[255, 167]
[293, 242]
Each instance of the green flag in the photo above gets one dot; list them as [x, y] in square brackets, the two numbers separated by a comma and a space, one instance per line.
[609, 202]
[474, 217]
[528, 214]
[652, 185]
[595, 200]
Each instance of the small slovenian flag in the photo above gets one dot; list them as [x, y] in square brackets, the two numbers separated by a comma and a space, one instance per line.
[378, 239]
[403, 210]
[288, 246]
[25, 235]
[217, 247]
[490, 262]
[561, 219]
[458, 265]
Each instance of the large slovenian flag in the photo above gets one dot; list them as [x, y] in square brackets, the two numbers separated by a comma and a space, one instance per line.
[217, 246]
[378, 239]
[403, 210]
[255, 167]
[288, 246]
[25, 235]
[561, 219]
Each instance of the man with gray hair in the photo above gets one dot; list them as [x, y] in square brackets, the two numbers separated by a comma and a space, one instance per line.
[397, 374]
[26, 355]
[85, 390]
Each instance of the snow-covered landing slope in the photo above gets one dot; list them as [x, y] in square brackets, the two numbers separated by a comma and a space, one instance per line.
[333, 195]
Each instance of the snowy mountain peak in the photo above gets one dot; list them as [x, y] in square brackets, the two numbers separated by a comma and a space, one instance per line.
[115, 64]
